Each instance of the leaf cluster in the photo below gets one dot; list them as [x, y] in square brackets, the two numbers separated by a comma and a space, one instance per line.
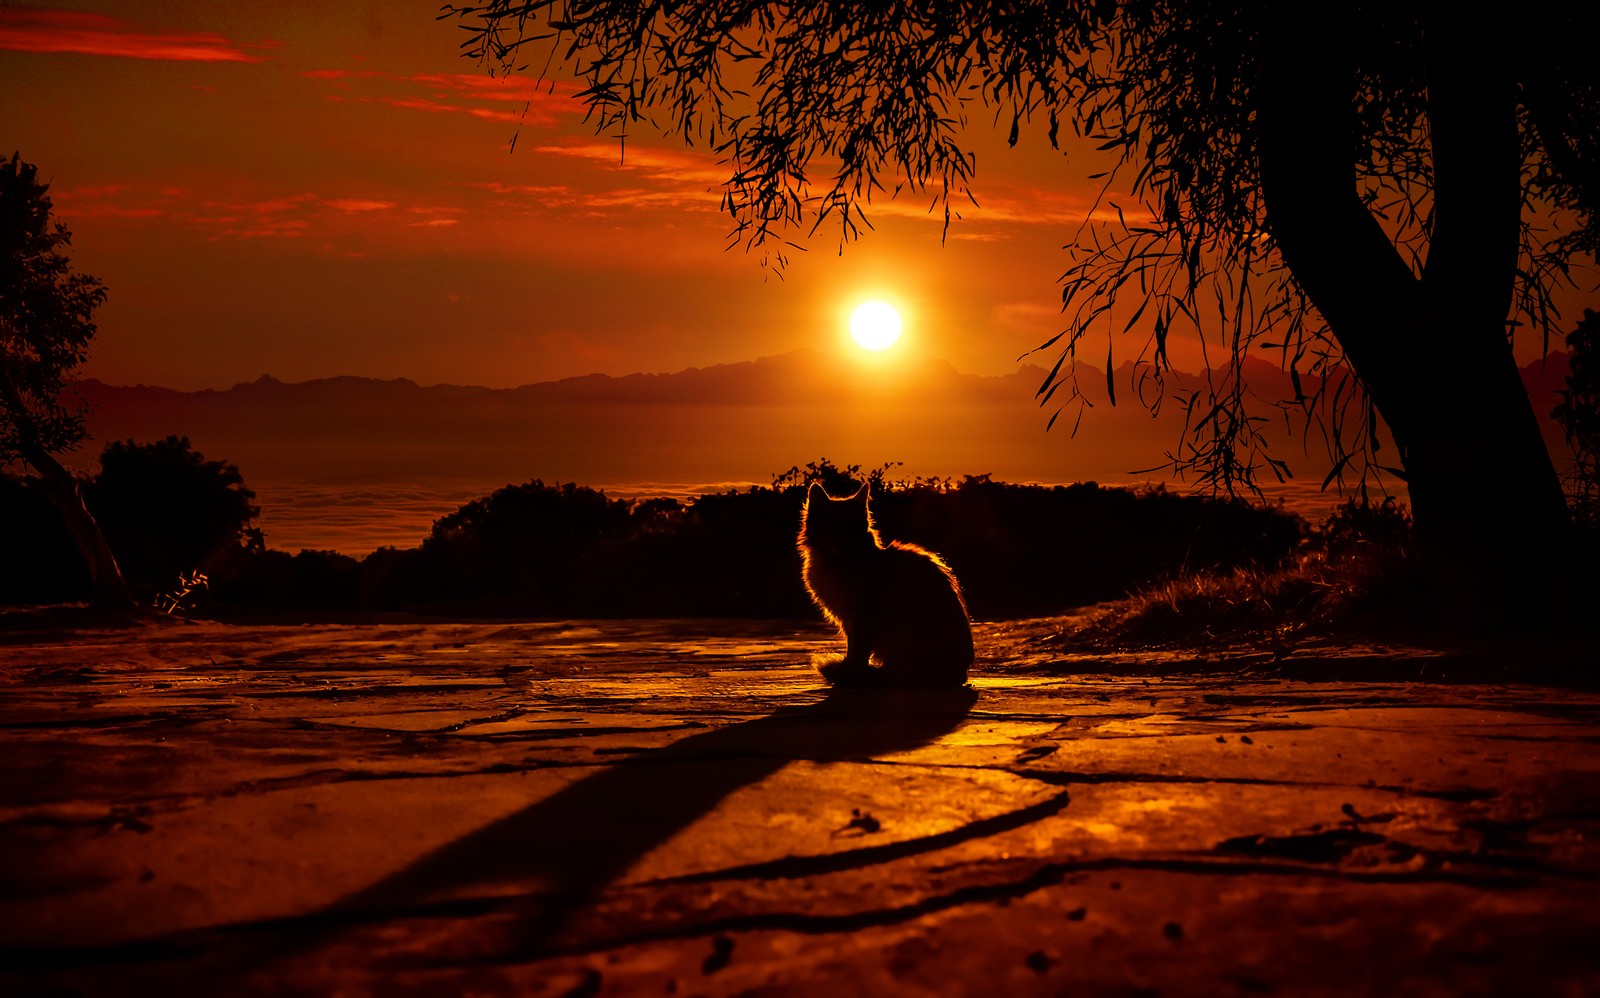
[170, 515]
[1579, 416]
[814, 109]
[168, 511]
[565, 550]
[46, 320]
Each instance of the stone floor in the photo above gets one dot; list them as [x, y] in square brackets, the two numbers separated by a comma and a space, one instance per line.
[656, 808]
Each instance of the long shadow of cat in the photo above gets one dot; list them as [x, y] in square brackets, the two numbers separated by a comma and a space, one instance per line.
[557, 854]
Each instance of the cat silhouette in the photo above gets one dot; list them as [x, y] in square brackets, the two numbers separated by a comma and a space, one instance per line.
[898, 605]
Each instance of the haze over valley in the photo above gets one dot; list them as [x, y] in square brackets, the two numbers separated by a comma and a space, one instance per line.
[352, 463]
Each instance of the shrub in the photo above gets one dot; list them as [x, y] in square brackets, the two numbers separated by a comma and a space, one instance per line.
[165, 510]
[38, 561]
[1356, 571]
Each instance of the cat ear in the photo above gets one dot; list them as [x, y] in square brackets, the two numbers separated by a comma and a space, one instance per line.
[816, 493]
[864, 492]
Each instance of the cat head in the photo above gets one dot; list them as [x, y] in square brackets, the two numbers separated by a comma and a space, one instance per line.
[834, 522]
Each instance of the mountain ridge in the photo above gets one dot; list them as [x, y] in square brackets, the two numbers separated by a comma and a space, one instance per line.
[725, 422]
[1544, 377]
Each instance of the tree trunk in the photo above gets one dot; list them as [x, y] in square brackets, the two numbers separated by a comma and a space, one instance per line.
[56, 484]
[1432, 350]
[105, 577]
[1486, 446]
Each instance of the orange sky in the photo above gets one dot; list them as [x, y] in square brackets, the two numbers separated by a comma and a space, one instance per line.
[311, 188]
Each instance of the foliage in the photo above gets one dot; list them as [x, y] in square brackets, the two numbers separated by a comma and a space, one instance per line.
[186, 595]
[171, 516]
[537, 550]
[276, 581]
[1579, 416]
[1361, 526]
[1356, 572]
[38, 562]
[167, 512]
[46, 321]
[817, 108]
[838, 482]
[522, 542]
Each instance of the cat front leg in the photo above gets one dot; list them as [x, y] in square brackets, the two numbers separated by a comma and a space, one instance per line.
[855, 669]
[843, 672]
[857, 647]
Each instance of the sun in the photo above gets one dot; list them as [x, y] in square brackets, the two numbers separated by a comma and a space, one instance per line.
[875, 325]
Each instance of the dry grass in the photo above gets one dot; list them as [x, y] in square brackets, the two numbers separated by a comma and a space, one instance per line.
[1356, 574]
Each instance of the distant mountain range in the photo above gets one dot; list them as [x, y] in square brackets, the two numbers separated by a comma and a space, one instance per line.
[730, 422]
[354, 463]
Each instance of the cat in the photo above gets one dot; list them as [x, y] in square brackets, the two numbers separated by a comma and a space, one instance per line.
[897, 605]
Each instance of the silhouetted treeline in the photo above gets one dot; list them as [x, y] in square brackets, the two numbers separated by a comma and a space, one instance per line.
[537, 550]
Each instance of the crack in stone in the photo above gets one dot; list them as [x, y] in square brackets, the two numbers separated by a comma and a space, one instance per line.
[68, 723]
[794, 867]
[170, 804]
[166, 804]
[1042, 877]
[191, 942]
[1459, 795]
[505, 715]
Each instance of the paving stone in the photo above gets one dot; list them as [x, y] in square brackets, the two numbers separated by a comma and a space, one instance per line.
[626, 807]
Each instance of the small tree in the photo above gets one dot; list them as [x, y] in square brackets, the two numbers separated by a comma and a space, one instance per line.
[168, 512]
[46, 324]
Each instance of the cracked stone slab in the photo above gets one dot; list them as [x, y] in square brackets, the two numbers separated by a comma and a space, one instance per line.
[625, 807]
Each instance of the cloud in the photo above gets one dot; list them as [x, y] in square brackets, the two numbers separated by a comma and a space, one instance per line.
[676, 165]
[35, 29]
[348, 217]
[513, 99]
[518, 89]
[681, 177]
[652, 178]
[336, 74]
[1002, 205]
[358, 204]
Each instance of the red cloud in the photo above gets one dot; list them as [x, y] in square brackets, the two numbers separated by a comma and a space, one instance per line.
[685, 175]
[33, 29]
[504, 88]
[1004, 206]
[668, 165]
[343, 218]
[534, 103]
[359, 204]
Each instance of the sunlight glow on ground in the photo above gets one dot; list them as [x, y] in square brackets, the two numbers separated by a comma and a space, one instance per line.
[875, 325]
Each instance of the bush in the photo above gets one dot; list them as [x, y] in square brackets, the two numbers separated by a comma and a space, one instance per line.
[566, 550]
[166, 510]
[1579, 416]
[1356, 571]
[312, 581]
[39, 563]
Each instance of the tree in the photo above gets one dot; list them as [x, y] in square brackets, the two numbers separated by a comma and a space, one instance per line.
[167, 511]
[1380, 192]
[1579, 416]
[46, 324]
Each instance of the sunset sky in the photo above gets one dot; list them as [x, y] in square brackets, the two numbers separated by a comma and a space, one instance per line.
[310, 189]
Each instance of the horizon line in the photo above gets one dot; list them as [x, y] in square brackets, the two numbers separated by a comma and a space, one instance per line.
[1022, 365]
